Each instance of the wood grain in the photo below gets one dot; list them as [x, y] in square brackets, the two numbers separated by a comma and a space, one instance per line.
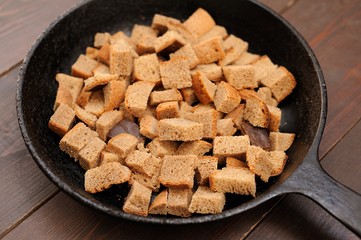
[20, 24]
[23, 186]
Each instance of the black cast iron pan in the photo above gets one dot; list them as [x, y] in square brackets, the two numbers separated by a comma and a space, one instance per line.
[304, 111]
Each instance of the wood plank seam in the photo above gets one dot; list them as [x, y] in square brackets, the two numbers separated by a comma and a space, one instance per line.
[6, 71]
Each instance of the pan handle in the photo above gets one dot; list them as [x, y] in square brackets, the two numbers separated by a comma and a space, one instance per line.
[343, 203]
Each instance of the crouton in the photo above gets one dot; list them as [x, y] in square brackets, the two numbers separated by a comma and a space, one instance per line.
[206, 201]
[175, 73]
[265, 94]
[263, 67]
[69, 89]
[212, 71]
[246, 58]
[120, 59]
[83, 97]
[62, 120]
[189, 95]
[278, 159]
[98, 81]
[197, 147]
[225, 127]
[104, 55]
[234, 162]
[205, 166]
[214, 32]
[88, 118]
[167, 110]
[95, 104]
[178, 201]
[108, 157]
[281, 141]
[236, 115]
[178, 129]
[199, 22]
[169, 42]
[275, 119]
[100, 39]
[159, 204]
[234, 47]
[230, 146]
[208, 118]
[138, 199]
[178, 171]
[187, 52]
[160, 148]
[106, 122]
[92, 53]
[74, 140]
[146, 68]
[169, 95]
[203, 87]
[184, 108]
[83, 67]
[161, 22]
[114, 93]
[136, 97]
[138, 161]
[233, 180]
[143, 37]
[210, 50]
[89, 155]
[240, 76]
[148, 126]
[120, 36]
[103, 177]
[122, 144]
[226, 98]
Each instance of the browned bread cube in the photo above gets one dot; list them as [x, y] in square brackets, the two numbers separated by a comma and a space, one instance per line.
[178, 171]
[225, 127]
[265, 94]
[92, 53]
[233, 180]
[203, 87]
[236, 115]
[281, 141]
[169, 42]
[275, 118]
[175, 73]
[122, 144]
[169, 95]
[104, 54]
[205, 166]
[103, 177]
[148, 126]
[146, 68]
[189, 95]
[230, 146]
[120, 59]
[68, 90]
[106, 122]
[187, 52]
[101, 38]
[214, 32]
[234, 162]
[62, 120]
[120, 36]
[210, 50]
[178, 129]
[95, 104]
[199, 22]
[136, 97]
[167, 110]
[83, 67]
[139, 161]
[160, 148]
[138, 199]
[246, 58]
[206, 201]
[89, 155]
[178, 201]
[226, 98]
[161, 22]
[88, 118]
[209, 120]
[114, 93]
[240, 76]
[234, 47]
[74, 140]
[197, 147]
[98, 81]
[212, 71]
[83, 98]
[143, 37]
[263, 66]
[159, 204]
[108, 157]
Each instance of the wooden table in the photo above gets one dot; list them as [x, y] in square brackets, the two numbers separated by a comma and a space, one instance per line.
[31, 207]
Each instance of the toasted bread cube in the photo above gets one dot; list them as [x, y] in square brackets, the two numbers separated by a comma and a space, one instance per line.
[89, 155]
[169, 42]
[159, 204]
[74, 140]
[114, 93]
[197, 147]
[275, 118]
[175, 73]
[161, 22]
[143, 37]
[106, 122]
[100, 39]
[188, 36]
[189, 95]
[146, 68]
[237, 115]
[184, 108]
[138, 199]
[263, 66]
[210, 50]
[178, 171]
[205, 166]
[95, 104]
[256, 112]
[120, 59]
[234, 47]
[281, 82]
[92, 53]
[136, 97]
[138, 161]
[203, 87]
[199, 22]
[265, 94]
[246, 58]
[178, 201]
[226, 98]
[103, 177]
[167, 110]
[278, 159]
[108, 157]
[233, 180]
[178, 129]
[160, 148]
[206, 201]
[212, 71]
[214, 32]
[208, 118]
[188, 52]
[225, 127]
[98, 81]
[88, 118]
[230, 146]
[148, 126]
[83, 67]
[122, 144]
[83, 98]
[68, 90]
[169, 95]
[234, 162]
[62, 120]
[104, 55]
[120, 36]
[240, 76]
[281, 141]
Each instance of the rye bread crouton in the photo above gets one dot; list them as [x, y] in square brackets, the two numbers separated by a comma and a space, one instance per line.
[209, 120]
[160, 148]
[136, 97]
[148, 126]
[212, 71]
[108, 157]
[104, 55]
[114, 93]
[213, 32]
[169, 95]
[234, 162]
[169, 42]
[122, 144]
[233, 180]
[226, 98]
[265, 94]
[179, 129]
[83, 67]
[89, 155]
[100, 39]
[225, 127]
[210, 50]
[103, 177]
[275, 118]
[143, 37]
[95, 104]
[178, 201]
[230, 146]
[139, 162]
[281, 141]
[91, 53]
[203, 87]
[62, 120]
[246, 58]
[167, 110]
[206, 201]
[233, 47]
[161, 22]
[175, 73]
[199, 22]
[138, 199]
[146, 68]
[83, 98]
[69, 88]
[88, 118]
[98, 81]
[120, 59]
[237, 115]
[205, 166]
[159, 204]
[188, 52]
[106, 122]
[263, 66]
[189, 95]
[101, 68]
[178, 171]
[197, 147]
[240, 76]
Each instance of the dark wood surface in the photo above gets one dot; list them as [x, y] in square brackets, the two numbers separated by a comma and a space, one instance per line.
[33, 208]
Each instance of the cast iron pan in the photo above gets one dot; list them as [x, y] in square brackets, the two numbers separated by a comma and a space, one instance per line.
[304, 111]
